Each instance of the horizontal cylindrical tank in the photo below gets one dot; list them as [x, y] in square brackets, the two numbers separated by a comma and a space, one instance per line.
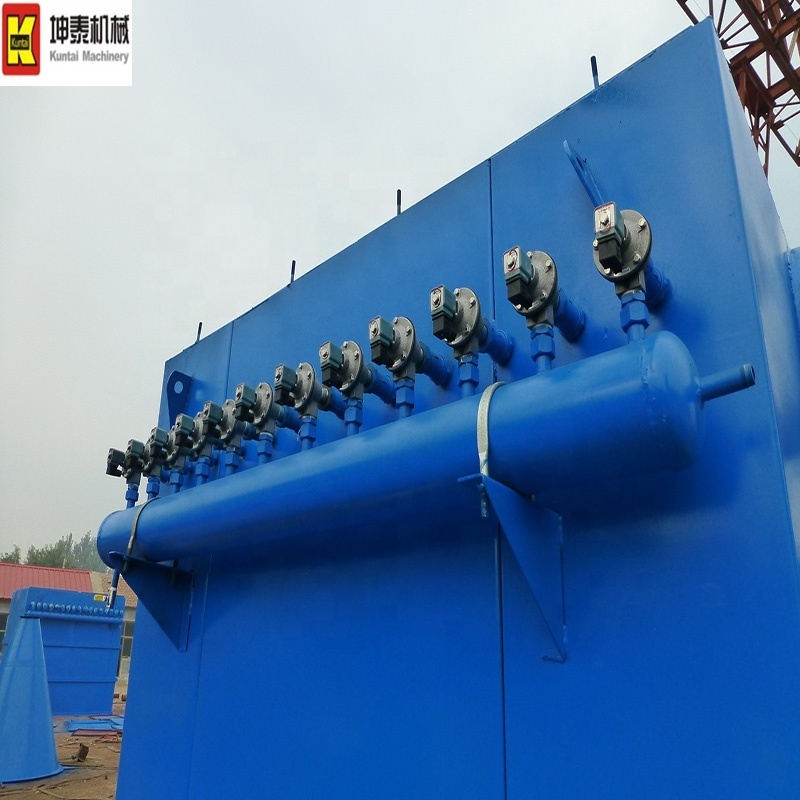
[631, 410]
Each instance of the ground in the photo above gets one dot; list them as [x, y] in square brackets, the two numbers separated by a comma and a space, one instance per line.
[93, 779]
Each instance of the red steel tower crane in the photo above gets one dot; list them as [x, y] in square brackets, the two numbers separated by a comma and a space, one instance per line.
[760, 40]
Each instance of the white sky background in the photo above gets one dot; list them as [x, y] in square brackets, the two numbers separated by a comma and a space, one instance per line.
[254, 133]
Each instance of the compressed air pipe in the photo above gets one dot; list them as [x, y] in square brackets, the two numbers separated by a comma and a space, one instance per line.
[634, 409]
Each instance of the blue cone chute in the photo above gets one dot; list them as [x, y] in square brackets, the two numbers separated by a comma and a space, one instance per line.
[27, 743]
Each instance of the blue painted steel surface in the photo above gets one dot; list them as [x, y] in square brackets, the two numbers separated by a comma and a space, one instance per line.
[377, 635]
[81, 639]
[28, 746]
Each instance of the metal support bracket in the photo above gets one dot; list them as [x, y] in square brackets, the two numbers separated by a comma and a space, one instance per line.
[166, 592]
[179, 385]
[534, 534]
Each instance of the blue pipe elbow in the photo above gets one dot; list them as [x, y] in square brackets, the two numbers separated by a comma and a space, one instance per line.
[569, 318]
[436, 367]
[336, 402]
[381, 384]
[496, 343]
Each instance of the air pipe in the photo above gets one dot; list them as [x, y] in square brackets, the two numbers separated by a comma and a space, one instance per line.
[636, 409]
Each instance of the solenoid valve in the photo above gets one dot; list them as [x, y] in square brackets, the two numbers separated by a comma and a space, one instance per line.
[179, 441]
[301, 389]
[155, 452]
[622, 244]
[346, 369]
[458, 320]
[205, 434]
[532, 287]
[127, 464]
[236, 423]
[395, 345]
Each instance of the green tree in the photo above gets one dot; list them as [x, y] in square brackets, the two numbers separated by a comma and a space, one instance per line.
[51, 555]
[85, 555]
[66, 552]
[13, 556]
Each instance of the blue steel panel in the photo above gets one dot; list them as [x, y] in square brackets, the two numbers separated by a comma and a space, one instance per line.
[405, 658]
[767, 248]
[676, 588]
[368, 671]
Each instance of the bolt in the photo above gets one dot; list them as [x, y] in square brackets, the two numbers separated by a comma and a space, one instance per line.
[402, 355]
[636, 258]
[324, 353]
[356, 355]
[594, 244]
[437, 299]
[511, 260]
[468, 328]
[604, 218]
[518, 306]
[548, 265]
[642, 222]
[457, 292]
[542, 294]
[373, 330]
[607, 270]
[394, 321]
[408, 330]
[472, 302]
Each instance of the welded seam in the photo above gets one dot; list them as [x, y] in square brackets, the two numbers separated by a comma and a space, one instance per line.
[498, 539]
[499, 565]
[493, 293]
[201, 639]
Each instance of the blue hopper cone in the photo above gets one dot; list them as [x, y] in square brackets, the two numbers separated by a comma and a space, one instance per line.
[27, 741]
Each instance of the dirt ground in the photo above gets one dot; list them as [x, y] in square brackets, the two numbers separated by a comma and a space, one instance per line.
[93, 779]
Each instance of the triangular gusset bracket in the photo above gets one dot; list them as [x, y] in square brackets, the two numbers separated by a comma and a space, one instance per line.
[534, 534]
[166, 592]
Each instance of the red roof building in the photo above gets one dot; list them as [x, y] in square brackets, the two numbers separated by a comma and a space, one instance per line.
[18, 576]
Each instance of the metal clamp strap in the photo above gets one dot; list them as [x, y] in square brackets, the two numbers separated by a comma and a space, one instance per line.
[483, 426]
[136, 516]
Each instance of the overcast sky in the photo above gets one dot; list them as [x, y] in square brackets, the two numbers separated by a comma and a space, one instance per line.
[254, 133]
